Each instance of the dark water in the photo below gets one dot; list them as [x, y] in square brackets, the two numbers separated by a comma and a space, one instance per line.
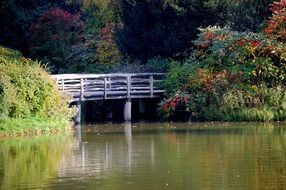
[149, 156]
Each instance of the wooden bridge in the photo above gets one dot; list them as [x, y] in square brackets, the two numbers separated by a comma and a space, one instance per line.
[91, 87]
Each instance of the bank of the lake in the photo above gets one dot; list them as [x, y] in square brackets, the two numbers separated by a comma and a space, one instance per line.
[33, 126]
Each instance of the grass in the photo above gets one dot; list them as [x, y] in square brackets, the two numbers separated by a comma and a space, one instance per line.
[31, 126]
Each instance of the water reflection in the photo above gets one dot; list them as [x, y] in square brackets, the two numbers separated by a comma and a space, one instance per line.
[128, 136]
[144, 156]
[27, 163]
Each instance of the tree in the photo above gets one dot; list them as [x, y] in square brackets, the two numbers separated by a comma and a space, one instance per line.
[53, 36]
[160, 27]
[17, 16]
[248, 15]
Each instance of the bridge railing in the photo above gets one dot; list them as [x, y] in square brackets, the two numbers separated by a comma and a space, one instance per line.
[110, 86]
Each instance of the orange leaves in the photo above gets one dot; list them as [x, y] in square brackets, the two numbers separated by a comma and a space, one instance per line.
[209, 35]
[173, 103]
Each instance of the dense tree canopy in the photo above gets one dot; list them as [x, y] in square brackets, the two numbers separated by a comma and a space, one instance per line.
[164, 28]
[17, 17]
[118, 31]
[53, 35]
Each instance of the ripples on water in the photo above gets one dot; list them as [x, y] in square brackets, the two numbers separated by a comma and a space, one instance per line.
[149, 156]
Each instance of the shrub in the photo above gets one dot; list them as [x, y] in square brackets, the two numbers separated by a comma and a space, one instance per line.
[233, 76]
[27, 90]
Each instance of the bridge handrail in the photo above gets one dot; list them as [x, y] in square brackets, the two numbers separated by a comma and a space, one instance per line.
[110, 86]
[86, 76]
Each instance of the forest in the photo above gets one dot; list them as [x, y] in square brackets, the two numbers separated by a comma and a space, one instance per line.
[224, 59]
[106, 35]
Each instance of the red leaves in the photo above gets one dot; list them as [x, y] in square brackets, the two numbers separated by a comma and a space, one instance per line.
[276, 26]
[172, 104]
[107, 31]
[278, 7]
[256, 43]
[241, 42]
[56, 20]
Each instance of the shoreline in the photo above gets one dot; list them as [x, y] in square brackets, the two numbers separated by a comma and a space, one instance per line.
[32, 127]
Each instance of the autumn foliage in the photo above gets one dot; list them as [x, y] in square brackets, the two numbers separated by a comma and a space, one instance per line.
[54, 34]
[276, 26]
[235, 76]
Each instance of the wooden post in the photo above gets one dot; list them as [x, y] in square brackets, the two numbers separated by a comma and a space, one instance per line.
[127, 110]
[63, 85]
[128, 85]
[151, 78]
[81, 90]
[105, 88]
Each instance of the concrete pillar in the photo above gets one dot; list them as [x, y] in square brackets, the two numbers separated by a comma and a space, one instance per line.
[127, 110]
[78, 114]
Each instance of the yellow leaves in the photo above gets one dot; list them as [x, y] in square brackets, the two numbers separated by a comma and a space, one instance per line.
[108, 53]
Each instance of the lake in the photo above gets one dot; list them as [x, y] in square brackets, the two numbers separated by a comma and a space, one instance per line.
[153, 156]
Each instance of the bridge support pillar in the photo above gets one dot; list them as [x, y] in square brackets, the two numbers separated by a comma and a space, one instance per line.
[78, 114]
[127, 110]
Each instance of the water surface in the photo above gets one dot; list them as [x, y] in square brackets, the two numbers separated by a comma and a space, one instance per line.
[149, 156]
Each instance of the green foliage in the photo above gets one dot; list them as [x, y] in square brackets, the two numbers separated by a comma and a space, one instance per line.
[161, 28]
[98, 51]
[27, 90]
[98, 13]
[178, 77]
[264, 104]
[233, 76]
[248, 15]
[158, 64]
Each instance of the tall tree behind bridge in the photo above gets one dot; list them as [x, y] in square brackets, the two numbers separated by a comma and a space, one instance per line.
[248, 15]
[163, 28]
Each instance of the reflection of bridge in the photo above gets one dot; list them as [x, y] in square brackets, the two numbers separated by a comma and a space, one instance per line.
[86, 87]
[102, 155]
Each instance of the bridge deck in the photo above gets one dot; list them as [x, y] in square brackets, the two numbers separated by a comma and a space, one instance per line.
[84, 87]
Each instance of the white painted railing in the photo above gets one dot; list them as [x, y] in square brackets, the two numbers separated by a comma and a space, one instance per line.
[83, 87]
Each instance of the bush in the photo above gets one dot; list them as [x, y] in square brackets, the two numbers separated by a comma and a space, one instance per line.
[27, 90]
[235, 76]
